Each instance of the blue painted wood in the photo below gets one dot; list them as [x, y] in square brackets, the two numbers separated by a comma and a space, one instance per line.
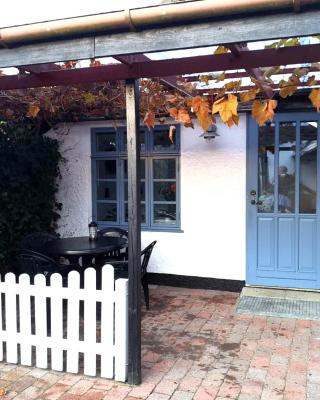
[282, 248]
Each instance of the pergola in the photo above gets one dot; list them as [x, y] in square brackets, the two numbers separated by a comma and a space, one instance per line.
[35, 49]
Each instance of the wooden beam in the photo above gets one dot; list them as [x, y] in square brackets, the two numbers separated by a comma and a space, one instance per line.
[160, 68]
[256, 73]
[169, 81]
[223, 31]
[134, 231]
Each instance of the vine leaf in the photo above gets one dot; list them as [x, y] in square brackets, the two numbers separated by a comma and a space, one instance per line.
[221, 50]
[181, 115]
[314, 96]
[149, 119]
[248, 96]
[172, 131]
[200, 107]
[288, 88]
[226, 107]
[263, 111]
[33, 111]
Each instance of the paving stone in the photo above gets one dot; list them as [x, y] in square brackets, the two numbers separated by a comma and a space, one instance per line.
[182, 395]
[81, 387]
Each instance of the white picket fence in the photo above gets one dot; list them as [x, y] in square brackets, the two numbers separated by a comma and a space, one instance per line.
[29, 328]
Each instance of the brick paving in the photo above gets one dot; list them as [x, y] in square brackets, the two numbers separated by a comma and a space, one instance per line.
[196, 347]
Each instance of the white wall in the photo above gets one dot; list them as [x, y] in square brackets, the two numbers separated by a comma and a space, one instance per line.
[212, 243]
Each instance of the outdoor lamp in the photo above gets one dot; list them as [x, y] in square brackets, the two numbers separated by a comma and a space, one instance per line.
[211, 133]
[93, 231]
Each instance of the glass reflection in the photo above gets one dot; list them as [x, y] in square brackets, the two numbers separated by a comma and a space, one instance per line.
[286, 177]
[164, 214]
[308, 167]
[106, 141]
[266, 168]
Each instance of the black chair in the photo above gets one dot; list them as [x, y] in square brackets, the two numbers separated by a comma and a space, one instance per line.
[121, 270]
[35, 241]
[32, 263]
[121, 254]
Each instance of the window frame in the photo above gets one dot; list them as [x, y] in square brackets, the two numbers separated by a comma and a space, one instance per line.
[149, 154]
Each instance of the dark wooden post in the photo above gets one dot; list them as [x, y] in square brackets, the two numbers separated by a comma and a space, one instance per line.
[134, 237]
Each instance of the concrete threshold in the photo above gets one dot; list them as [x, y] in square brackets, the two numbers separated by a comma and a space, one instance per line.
[293, 294]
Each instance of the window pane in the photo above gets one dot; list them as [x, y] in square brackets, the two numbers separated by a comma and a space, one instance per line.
[308, 167]
[107, 191]
[142, 169]
[161, 140]
[106, 141]
[106, 169]
[164, 214]
[164, 191]
[164, 169]
[107, 212]
[287, 154]
[142, 191]
[142, 141]
[266, 168]
[143, 212]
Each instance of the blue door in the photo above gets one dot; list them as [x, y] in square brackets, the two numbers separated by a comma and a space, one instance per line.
[283, 172]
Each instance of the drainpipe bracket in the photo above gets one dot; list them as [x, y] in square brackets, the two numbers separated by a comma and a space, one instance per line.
[129, 21]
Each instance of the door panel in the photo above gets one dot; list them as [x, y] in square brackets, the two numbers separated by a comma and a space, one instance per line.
[283, 202]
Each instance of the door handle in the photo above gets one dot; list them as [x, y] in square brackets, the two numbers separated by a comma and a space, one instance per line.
[254, 201]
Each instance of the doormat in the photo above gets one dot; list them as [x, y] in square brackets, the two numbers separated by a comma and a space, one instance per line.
[278, 307]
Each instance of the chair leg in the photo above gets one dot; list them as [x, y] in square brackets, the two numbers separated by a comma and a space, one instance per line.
[145, 287]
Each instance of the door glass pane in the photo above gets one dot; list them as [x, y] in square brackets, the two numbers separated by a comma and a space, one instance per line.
[106, 141]
[107, 191]
[164, 214]
[308, 167]
[164, 169]
[266, 168]
[164, 191]
[161, 140]
[107, 212]
[107, 169]
[286, 173]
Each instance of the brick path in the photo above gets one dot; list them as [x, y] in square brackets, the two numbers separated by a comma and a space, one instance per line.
[196, 347]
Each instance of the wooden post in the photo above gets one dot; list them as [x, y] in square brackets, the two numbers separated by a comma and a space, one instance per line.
[134, 234]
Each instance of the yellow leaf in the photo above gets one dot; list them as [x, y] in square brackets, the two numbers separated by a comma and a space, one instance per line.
[248, 96]
[314, 96]
[226, 107]
[233, 85]
[219, 78]
[33, 111]
[90, 99]
[204, 79]
[149, 119]
[288, 88]
[203, 117]
[221, 50]
[181, 116]
[262, 111]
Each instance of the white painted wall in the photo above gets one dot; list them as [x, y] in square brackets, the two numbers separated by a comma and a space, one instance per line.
[213, 173]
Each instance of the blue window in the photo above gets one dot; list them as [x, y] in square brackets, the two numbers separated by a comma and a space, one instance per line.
[159, 170]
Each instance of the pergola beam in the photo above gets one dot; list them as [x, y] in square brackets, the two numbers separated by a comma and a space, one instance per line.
[160, 68]
[223, 31]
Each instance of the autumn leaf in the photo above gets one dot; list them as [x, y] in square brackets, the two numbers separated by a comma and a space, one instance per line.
[248, 96]
[271, 71]
[33, 111]
[173, 112]
[219, 78]
[204, 79]
[314, 96]
[94, 63]
[234, 120]
[311, 80]
[90, 99]
[172, 131]
[221, 50]
[149, 119]
[300, 72]
[3, 391]
[181, 115]
[69, 64]
[226, 107]
[233, 85]
[262, 111]
[289, 88]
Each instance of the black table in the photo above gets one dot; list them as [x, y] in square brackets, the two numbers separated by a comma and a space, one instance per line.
[82, 246]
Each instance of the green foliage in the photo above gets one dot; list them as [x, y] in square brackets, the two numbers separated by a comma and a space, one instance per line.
[28, 184]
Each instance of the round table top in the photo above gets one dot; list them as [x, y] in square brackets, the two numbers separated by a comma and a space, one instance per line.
[82, 246]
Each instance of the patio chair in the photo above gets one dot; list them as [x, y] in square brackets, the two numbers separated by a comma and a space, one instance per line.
[116, 254]
[32, 263]
[35, 241]
[121, 270]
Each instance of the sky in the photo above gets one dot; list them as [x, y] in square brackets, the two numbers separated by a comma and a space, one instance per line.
[23, 12]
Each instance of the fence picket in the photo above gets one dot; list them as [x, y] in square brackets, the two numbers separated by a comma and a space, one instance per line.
[90, 321]
[73, 322]
[56, 325]
[11, 318]
[107, 321]
[40, 320]
[25, 319]
[1, 329]
[121, 329]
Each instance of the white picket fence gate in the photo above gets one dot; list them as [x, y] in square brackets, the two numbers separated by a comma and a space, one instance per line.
[24, 322]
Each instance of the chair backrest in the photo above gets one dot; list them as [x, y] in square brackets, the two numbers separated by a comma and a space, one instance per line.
[113, 231]
[36, 240]
[32, 263]
[146, 254]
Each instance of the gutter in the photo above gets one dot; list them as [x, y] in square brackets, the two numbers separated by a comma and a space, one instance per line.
[142, 18]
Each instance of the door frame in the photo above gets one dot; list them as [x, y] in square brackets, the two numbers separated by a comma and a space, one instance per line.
[251, 183]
